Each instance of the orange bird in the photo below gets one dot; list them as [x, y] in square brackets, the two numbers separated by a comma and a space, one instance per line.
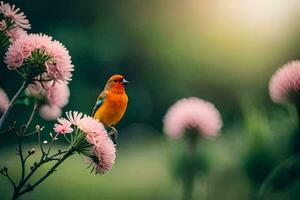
[112, 102]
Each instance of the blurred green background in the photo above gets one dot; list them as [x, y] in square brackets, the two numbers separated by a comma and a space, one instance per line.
[221, 51]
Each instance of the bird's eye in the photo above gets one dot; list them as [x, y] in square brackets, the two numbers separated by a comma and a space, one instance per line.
[115, 81]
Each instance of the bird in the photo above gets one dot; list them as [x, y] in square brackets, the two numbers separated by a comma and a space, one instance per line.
[112, 102]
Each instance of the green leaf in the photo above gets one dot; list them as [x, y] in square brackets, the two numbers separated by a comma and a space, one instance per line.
[24, 100]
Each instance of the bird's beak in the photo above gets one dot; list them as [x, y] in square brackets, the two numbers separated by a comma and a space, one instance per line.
[124, 81]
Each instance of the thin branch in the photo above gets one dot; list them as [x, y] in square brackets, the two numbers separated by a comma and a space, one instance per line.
[50, 146]
[28, 155]
[40, 163]
[50, 171]
[40, 144]
[7, 131]
[30, 118]
[31, 133]
[21, 157]
[57, 154]
[9, 178]
[12, 102]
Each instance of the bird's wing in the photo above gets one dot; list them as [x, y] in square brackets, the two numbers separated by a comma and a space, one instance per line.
[99, 102]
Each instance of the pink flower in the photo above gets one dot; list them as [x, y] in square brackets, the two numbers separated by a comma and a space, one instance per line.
[106, 155]
[192, 113]
[3, 25]
[74, 117]
[36, 90]
[58, 94]
[63, 127]
[49, 112]
[103, 151]
[94, 130]
[285, 83]
[13, 14]
[58, 67]
[15, 60]
[53, 95]
[16, 33]
[61, 67]
[4, 101]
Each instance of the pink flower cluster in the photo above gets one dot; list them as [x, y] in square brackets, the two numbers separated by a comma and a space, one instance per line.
[285, 83]
[4, 101]
[189, 113]
[95, 134]
[52, 97]
[58, 67]
[14, 14]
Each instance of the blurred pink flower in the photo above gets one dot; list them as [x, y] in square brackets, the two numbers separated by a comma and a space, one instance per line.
[16, 33]
[35, 90]
[49, 112]
[54, 95]
[191, 113]
[63, 127]
[13, 14]
[285, 82]
[4, 101]
[3, 25]
[58, 94]
[58, 67]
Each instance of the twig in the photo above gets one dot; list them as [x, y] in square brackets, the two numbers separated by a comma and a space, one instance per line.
[31, 133]
[20, 136]
[30, 118]
[21, 157]
[50, 146]
[40, 163]
[52, 169]
[12, 102]
[7, 131]
[5, 173]
[40, 144]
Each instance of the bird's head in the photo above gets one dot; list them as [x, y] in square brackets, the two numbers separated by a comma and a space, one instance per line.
[116, 83]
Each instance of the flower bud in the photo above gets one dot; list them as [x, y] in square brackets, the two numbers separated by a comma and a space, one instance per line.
[32, 151]
[37, 128]
[5, 169]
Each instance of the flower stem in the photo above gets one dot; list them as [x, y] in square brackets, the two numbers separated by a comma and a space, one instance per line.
[50, 146]
[188, 181]
[12, 102]
[30, 118]
[265, 187]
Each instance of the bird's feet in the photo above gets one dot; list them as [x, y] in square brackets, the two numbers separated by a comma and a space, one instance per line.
[113, 134]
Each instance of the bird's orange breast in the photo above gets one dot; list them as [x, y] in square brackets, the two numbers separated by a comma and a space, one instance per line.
[112, 109]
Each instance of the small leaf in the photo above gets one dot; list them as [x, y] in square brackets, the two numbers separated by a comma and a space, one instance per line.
[24, 100]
